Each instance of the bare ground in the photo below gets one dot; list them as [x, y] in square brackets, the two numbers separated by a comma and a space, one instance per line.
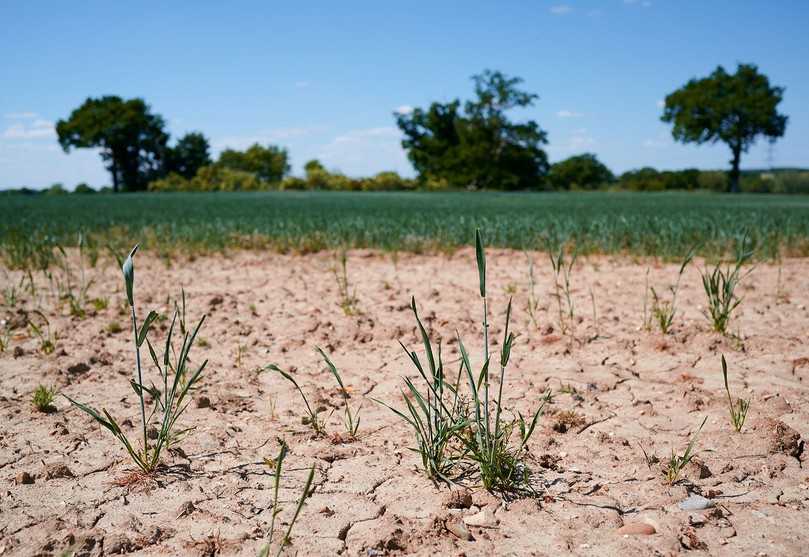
[626, 388]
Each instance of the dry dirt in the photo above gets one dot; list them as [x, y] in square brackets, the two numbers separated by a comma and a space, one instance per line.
[616, 387]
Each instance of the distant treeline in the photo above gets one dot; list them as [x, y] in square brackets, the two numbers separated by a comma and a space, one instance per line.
[455, 145]
[579, 173]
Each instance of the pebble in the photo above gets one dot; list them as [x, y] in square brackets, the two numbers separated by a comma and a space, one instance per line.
[696, 503]
[24, 478]
[636, 529]
[483, 519]
[458, 529]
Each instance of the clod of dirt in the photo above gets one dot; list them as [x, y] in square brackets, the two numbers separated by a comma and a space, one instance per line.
[689, 540]
[458, 499]
[636, 529]
[24, 478]
[56, 470]
[18, 352]
[203, 402]
[78, 369]
[186, 509]
[784, 439]
[216, 301]
[118, 544]
[102, 359]
[482, 519]
[698, 470]
[567, 420]
[458, 529]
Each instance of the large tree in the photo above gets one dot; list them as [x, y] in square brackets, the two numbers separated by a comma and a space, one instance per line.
[269, 164]
[580, 172]
[735, 109]
[131, 138]
[479, 146]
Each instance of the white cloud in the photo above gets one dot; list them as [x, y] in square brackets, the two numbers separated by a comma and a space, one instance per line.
[404, 110]
[569, 114]
[263, 137]
[20, 115]
[302, 84]
[580, 139]
[38, 129]
[662, 141]
[661, 103]
[560, 9]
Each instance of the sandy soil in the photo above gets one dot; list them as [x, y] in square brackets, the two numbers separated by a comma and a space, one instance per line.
[626, 388]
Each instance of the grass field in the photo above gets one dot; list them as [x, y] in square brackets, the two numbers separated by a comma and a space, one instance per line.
[665, 224]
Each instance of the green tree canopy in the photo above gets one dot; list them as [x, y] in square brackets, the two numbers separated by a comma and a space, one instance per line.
[191, 153]
[735, 109]
[131, 138]
[269, 164]
[579, 172]
[479, 146]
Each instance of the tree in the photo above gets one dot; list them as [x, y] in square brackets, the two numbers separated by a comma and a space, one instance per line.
[189, 155]
[734, 109]
[132, 139]
[479, 147]
[269, 164]
[579, 172]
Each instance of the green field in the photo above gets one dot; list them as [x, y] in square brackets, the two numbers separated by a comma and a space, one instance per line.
[663, 224]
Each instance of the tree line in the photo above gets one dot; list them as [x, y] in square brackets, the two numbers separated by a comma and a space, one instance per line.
[474, 144]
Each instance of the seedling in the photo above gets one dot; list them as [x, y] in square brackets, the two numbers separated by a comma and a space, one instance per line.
[738, 411]
[720, 287]
[351, 419]
[312, 418]
[43, 398]
[533, 302]
[170, 402]
[5, 337]
[277, 464]
[47, 339]
[438, 415]
[665, 310]
[676, 462]
[348, 298]
[562, 268]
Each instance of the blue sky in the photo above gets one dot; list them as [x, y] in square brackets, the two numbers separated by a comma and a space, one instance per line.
[323, 78]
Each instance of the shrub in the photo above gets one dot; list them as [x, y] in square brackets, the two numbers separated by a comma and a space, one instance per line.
[584, 172]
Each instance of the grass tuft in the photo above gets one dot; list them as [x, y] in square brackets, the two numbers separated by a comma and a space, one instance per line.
[677, 463]
[738, 411]
[43, 398]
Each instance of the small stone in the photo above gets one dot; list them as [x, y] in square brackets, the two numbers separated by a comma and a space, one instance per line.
[785, 440]
[636, 529]
[57, 470]
[203, 402]
[483, 519]
[152, 433]
[18, 352]
[117, 544]
[696, 520]
[458, 529]
[24, 478]
[458, 499]
[186, 509]
[77, 369]
[696, 503]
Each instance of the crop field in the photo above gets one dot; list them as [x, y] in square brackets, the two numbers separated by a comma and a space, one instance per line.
[404, 374]
[665, 224]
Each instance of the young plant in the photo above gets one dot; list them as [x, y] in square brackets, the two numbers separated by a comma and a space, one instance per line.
[562, 269]
[312, 418]
[47, 339]
[348, 298]
[533, 302]
[488, 440]
[665, 310]
[351, 418]
[738, 411]
[720, 287]
[5, 337]
[277, 464]
[43, 398]
[438, 414]
[177, 383]
[677, 462]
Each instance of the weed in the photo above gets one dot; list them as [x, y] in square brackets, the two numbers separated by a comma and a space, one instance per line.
[720, 286]
[114, 328]
[351, 418]
[47, 339]
[562, 265]
[10, 296]
[100, 304]
[533, 302]
[676, 462]
[348, 298]
[170, 402]
[5, 336]
[43, 398]
[438, 415]
[277, 464]
[312, 418]
[664, 311]
[738, 411]
[650, 459]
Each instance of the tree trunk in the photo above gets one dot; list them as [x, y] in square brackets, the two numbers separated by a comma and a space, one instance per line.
[734, 168]
[114, 175]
